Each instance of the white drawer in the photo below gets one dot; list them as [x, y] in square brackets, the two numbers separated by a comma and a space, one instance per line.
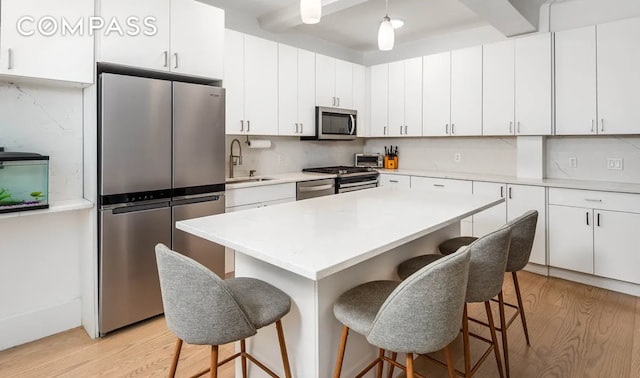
[399, 180]
[448, 185]
[262, 193]
[593, 199]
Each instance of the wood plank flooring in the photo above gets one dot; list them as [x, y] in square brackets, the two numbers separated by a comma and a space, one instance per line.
[576, 331]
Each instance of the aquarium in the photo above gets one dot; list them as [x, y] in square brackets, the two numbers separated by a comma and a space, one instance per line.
[24, 181]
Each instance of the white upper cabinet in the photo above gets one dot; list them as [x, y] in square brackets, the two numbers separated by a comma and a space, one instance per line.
[533, 85]
[379, 125]
[619, 77]
[396, 98]
[334, 82]
[296, 91]
[436, 94]
[452, 93]
[498, 70]
[26, 51]
[405, 98]
[576, 81]
[251, 82]
[466, 91]
[359, 97]
[186, 37]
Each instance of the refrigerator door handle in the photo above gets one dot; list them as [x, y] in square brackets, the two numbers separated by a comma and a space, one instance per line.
[142, 207]
[186, 200]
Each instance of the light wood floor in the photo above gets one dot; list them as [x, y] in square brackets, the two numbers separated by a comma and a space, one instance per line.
[575, 330]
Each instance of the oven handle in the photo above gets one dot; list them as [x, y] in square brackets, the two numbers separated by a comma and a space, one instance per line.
[361, 183]
[316, 188]
[346, 190]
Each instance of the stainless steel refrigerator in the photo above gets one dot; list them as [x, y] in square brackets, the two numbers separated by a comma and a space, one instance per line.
[161, 160]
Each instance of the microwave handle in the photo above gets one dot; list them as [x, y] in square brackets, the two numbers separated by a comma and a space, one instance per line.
[352, 125]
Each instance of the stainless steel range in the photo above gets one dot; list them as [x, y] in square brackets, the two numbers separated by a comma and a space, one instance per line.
[350, 178]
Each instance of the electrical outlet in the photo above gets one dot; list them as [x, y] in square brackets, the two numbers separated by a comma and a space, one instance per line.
[457, 157]
[573, 162]
[280, 159]
[615, 164]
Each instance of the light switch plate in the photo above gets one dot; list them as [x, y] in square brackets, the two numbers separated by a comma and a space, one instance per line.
[615, 164]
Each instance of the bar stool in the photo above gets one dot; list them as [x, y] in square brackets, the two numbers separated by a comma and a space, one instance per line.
[202, 309]
[419, 315]
[486, 276]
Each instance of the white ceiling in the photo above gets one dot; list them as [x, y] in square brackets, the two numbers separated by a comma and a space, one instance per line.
[356, 27]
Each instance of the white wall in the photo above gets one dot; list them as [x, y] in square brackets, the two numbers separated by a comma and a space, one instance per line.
[290, 154]
[40, 287]
[478, 154]
[592, 153]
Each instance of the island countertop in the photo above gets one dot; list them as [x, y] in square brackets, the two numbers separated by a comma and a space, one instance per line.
[318, 237]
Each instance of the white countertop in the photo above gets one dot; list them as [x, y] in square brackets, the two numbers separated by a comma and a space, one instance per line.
[54, 207]
[552, 183]
[277, 178]
[321, 236]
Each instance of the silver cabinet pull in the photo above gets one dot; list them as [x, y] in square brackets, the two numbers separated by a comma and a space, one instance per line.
[176, 55]
[587, 213]
[400, 129]
[384, 130]
[453, 128]
[501, 191]
[510, 127]
[510, 193]
[439, 185]
[405, 129]
[518, 127]
[394, 181]
[602, 124]
[10, 59]
[241, 125]
[166, 59]
[296, 128]
[338, 101]
[598, 219]
[592, 125]
[334, 101]
[301, 128]
[248, 126]
[592, 200]
[446, 128]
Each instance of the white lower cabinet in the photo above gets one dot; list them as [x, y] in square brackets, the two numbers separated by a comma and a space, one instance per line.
[593, 232]
[518, 200]
[395, 180]
[449, 186]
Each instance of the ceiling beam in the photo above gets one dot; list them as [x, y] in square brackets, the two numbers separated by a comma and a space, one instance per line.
[510, 17]
[288, 17]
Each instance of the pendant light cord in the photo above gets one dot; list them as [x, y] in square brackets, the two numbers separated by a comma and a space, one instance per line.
[386, 7]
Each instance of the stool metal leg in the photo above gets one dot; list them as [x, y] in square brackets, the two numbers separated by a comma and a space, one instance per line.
[394, 355]
[343, 345]
[283, 350]
[214, 361]
[243, 356]
[176, 356]
[409, 365]
[520, 307]
[494, 337]
[503, 328]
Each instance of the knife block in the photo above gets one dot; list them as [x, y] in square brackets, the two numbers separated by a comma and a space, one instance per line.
[390, 162]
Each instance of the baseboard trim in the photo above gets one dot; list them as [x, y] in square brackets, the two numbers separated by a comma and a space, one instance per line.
[26, 327]
[601, 282]
[537, 269]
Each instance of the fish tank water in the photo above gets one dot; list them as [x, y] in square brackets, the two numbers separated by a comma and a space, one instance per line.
[24, 181]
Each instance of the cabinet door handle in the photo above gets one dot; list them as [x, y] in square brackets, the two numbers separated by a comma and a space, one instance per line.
[593, 125]
[601, 124]
[501, 191]
[439, 185]
[296, 128]
[248, 126]
[587, 213]
[176, 55]
[598, 219]
[394, 181]
[400, 129]
[510, 127]
[10, 59]
[453, 128]
[338, 101]
[241, 125]
[405, 129]
[592, 200]
[518, 127]
[384, 130]
[510, 193]
[446, 128]
[166, 59]
[334, 101]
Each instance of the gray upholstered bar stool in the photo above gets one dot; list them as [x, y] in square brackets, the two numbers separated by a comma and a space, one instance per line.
[486, 275]
[202, 309]
[420, 315]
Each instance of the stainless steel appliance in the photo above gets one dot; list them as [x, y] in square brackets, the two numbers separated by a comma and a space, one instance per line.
[350, 179]
[315, 188]
[335, 124]
[161, 159]
[369, 160]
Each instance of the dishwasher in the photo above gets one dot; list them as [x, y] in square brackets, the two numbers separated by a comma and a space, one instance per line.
[315, 188]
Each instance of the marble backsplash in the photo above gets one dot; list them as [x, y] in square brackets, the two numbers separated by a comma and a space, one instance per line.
[485, 155]
[290, 154]
[46, 120]
[591, 153]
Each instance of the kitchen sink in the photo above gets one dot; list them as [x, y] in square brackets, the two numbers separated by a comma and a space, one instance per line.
[248, 179]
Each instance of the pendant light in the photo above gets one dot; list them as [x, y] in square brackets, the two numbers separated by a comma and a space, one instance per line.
[310, 11]
[386, 35]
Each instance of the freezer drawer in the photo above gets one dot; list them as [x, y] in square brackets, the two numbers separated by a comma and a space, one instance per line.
[129, 284]
[205, 252]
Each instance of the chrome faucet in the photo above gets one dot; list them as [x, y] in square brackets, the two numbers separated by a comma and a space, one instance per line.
[235, 159]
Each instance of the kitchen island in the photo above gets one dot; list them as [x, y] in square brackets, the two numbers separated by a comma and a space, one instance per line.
[316, 249]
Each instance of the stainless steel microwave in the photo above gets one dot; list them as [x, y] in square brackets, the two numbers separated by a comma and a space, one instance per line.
[335, 124]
